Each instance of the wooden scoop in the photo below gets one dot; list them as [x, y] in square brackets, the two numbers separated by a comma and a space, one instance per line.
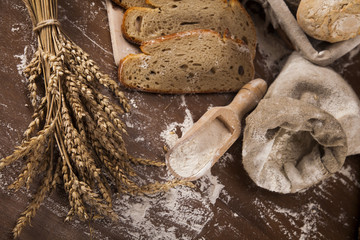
[213, 134]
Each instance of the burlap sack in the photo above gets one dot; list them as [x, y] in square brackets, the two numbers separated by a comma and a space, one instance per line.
[290, 145]
[324, 88]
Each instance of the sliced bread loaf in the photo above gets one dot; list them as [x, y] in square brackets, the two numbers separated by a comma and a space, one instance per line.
[131, 3]
[168, 17]
[197, 61]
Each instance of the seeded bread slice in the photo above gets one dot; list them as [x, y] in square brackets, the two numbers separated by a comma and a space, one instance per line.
[197, 61]
[168, 17]
[131, 3]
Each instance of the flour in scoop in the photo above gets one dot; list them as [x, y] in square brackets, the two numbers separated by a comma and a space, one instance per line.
[194, 157]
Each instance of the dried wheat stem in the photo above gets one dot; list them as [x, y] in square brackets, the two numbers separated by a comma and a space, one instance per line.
[106, 143]
[71, 141]
[33, 165]
[73, 97]
[157, 187]
[94, 200]
[57, 173]
[106, 126]
[103, 79]
[73, 119]
[80, 151]
[34, 205]
[71, 185]
[32, 72]
[27, 146]
[144, 161]
[38, 118]
[102, 112]
[111, 111]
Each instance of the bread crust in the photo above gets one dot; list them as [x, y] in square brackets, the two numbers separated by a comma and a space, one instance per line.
[150, 3]
[120, 3]
[117, 2]
[123, 27]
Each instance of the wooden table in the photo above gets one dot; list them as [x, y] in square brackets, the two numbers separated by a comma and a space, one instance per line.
[225, 204]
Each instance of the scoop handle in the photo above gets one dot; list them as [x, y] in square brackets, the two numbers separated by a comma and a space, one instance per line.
[248, 96]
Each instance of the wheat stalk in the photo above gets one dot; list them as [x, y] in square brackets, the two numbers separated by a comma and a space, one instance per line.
[75, 121]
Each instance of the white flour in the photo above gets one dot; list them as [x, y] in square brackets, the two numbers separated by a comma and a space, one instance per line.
[304, 221]
[176, 209]
[181, 213]
[196, 154]
[169, 134]
[23, 61]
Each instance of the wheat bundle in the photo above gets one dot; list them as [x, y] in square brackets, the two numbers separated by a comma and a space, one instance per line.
[75, 137]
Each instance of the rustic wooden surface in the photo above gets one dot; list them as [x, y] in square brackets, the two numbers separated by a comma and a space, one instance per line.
[242, 210]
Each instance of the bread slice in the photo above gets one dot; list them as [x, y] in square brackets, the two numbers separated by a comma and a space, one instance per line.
[197, 61]
[131, 3]
[168, 17]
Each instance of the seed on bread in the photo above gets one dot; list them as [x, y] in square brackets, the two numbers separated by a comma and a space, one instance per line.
[168, 17]
[197, 61]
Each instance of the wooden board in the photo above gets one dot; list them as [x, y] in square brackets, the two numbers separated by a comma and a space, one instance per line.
[120, 46]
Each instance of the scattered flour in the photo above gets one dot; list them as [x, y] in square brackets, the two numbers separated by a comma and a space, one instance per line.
[133, 103]
[347, 173]
[214, 189]
[169, 134]
[4, 105]
[129, 124]
[2, 187]
[139, 139]
[225, 159]
[306, 220]
[23, 60]
[182, 212]
[183, 101]
[176, 209]
[14, 29]
[145, 63]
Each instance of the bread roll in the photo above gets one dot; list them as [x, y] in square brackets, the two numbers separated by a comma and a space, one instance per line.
[330, 20]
